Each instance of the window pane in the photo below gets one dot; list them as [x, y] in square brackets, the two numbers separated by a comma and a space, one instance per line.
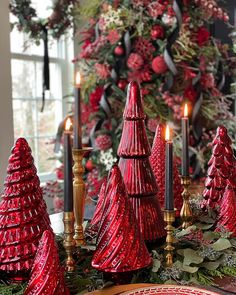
[24, 118]
[17, 41]
[55, 87]
[49, 119]
[20, 44]
[22, 87]
[45, 153]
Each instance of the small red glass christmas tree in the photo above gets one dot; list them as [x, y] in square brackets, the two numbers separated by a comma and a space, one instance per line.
[120, 246]
[98, 211]
[221, 169]
[157, 160]
[47, 277]
[134, 151]
[227, 211]
[97, 216]
[23, 214]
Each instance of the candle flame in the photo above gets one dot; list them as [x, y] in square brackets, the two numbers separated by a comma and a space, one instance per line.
[167, 137]
[68, 124]
[77, 79]
[186, 110]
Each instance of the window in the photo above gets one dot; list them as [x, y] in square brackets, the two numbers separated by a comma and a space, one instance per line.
[39, 128]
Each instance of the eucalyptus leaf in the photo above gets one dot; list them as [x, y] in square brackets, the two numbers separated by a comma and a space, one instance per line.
[204, 226]
[191, 256]
[221, 244]
[206, 219]
[233, 242]
[180, 252]
[187, 268]
[190, 269]
[156, 265]
[210, 265]
[210, 235]
[186, 231]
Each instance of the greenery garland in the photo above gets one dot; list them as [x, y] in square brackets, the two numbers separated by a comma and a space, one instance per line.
[201, 255]
[28, 21]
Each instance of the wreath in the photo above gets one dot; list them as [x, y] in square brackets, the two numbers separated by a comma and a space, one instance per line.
[38, 28]
[28, 21]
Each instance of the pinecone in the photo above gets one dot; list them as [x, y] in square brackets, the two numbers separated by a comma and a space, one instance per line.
[135, 61]
[103, 142]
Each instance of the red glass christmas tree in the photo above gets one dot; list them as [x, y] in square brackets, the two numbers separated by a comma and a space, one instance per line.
[23, 214]
[134, 151]
[157, 160]
[47, 277]
[227, 211]
[120, 246]
[97, 216]
[221, 169]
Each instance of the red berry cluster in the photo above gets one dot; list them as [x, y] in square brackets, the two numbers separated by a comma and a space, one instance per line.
[213, 7]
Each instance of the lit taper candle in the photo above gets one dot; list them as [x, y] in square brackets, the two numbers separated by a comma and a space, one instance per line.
[185, 139]
[77, 117]
[169, 198]
[68, 186]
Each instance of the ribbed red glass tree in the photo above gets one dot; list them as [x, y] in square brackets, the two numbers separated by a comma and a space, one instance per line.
[92, 230]
[134, 151]
[120, 245]
[157, 160]
[47, 277]
[23, 213]
[227, 211]
[221, 169]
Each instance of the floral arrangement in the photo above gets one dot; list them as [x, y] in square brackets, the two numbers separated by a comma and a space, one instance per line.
[170, 52]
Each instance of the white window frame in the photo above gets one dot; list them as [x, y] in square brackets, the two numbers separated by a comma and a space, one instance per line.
[65, 54]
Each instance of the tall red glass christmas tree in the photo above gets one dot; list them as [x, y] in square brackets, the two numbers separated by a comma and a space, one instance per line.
[47, 277]
[134, 151]
[23, 214]
[221, 169]
[157, 160]
[227, 211]
[120, 246]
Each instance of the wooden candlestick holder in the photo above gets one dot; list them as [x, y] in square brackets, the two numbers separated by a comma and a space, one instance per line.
[169, 217]
[69, 242]
[79, 194]
[186, 212]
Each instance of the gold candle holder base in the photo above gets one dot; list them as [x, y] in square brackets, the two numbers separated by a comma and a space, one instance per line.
[169, 217]
[79, 194]
[186, 212]
[69, 242]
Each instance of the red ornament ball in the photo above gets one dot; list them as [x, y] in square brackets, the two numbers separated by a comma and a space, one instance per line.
[89, 165]
[157, 32]
[119, 50]
[103, 142]
[159, 65]
[122, 83]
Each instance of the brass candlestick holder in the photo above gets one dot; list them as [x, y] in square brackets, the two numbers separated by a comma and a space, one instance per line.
[69, 242]
[79, 194]
[186, 212]
[169, 217]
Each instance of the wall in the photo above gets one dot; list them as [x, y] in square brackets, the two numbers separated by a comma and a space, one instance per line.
[6, 116]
